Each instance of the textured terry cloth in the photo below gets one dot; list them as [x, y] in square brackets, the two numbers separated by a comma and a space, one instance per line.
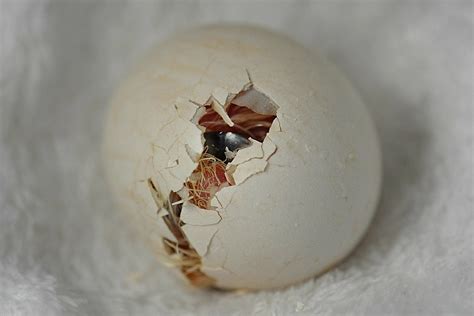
[63, 249]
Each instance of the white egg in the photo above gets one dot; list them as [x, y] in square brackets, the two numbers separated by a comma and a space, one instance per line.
[288, 204]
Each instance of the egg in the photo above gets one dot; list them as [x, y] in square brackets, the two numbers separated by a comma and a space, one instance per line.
[243, 159]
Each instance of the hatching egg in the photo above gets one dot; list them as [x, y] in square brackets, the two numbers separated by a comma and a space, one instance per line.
[245, 160]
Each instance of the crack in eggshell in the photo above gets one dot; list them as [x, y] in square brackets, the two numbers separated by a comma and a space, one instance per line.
[269, 147]
[224, 197]
[255, 150]
[248, 169]
[193, 215]
[220, 95]
[252, 161]
[201, 93]
[180, 154]
[199, 226]
[200, 237]
[185, 165]
[255, 100]
[184, 109]
[215, 203]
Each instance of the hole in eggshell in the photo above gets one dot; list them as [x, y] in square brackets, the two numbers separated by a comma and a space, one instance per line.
[226, 129]
[252, 114]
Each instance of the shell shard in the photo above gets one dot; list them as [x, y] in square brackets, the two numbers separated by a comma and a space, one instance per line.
[195, 216]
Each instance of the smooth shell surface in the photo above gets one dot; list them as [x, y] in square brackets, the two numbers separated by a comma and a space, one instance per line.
[295, 214]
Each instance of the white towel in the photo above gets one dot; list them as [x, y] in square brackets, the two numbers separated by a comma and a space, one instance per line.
[64, 251]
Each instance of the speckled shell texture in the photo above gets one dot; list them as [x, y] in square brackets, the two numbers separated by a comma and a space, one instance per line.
[315, 198]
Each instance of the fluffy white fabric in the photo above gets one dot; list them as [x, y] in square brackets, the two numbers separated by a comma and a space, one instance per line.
[63, 249]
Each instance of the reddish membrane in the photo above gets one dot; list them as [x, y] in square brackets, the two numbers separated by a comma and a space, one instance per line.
[211, 175]
[208, 178]
[246, 122]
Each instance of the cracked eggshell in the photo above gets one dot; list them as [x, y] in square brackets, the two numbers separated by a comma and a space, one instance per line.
[302, 210]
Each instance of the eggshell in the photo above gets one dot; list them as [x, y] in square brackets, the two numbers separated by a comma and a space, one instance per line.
[303, 199]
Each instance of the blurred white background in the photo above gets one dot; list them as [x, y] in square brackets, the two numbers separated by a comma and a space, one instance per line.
[63, 248]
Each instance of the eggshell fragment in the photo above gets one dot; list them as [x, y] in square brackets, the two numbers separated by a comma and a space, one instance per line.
[253, 151]
[193, 215]
[201, 237]
[299, 201]
[220, 110]
[247, 169]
